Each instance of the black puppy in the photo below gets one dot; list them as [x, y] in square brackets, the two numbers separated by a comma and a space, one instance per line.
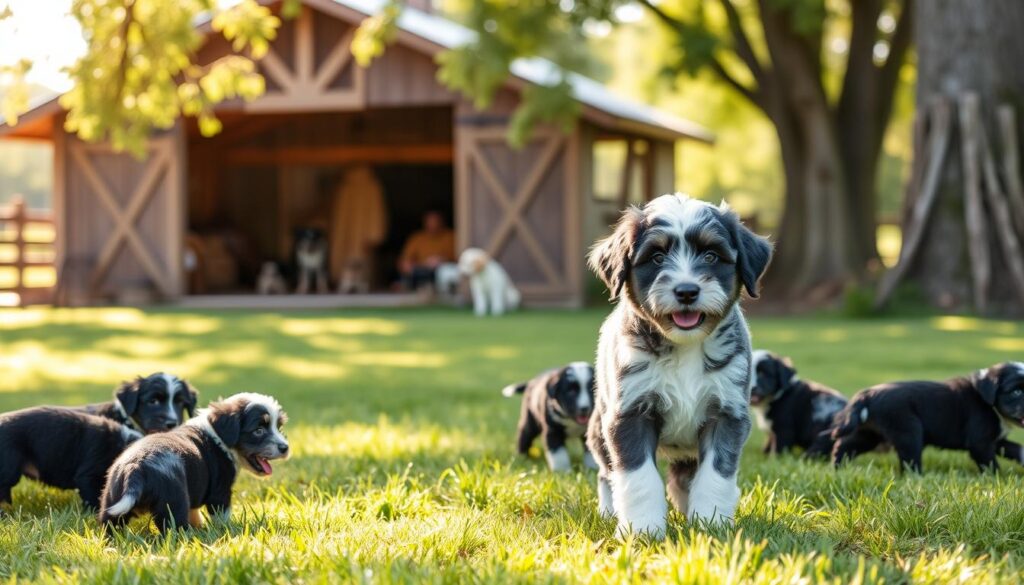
[795, 413]
[60, 447]
[557, 404]
[968, 413]
[172, 475]
[152, 404]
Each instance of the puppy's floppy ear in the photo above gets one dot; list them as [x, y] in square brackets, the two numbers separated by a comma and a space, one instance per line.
[553, 381]
[753, 252]
[986, 382]
[784, 372]
[226, 420]
[191, 398]
[128, 395]
[611, 259]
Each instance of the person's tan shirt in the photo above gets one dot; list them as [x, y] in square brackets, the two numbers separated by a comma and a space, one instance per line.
[423, 245]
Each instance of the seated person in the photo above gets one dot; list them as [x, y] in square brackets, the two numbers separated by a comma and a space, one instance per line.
[425, 250]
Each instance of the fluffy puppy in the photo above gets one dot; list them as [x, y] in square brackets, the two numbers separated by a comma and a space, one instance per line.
[489, 284]
[556, 405]
[673, 361]
[152, 404]
[793, 412]
[60, 447]
[172, 475]
[971, 413]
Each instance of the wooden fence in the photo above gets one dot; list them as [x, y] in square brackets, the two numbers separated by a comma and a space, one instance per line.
[25, 249]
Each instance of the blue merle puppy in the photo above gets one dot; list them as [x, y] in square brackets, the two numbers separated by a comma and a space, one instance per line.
[556, 406]
[673, 361]
[794, 412]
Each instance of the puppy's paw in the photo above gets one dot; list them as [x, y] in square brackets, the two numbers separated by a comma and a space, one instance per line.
[654, 528]
[558, 460]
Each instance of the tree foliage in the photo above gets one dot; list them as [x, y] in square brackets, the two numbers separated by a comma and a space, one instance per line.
[139, 73]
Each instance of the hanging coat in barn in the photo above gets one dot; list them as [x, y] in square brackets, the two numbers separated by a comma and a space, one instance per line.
[359, 221]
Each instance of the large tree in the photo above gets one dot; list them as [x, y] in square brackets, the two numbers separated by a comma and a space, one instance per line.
[964, 220]
[770, 51]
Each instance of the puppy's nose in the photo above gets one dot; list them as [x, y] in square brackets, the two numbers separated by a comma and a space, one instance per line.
[687, 293]
[283, 448]
[171, 424]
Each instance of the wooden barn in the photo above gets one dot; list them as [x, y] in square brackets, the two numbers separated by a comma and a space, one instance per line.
[195, 220]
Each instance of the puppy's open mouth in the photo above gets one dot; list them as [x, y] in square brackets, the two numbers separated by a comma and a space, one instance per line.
[260, 465]
[755, 399]
[688, 320]
[581, 419]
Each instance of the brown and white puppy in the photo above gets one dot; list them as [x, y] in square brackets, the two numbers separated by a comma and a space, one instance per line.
[673, 361]
[60, 447]
[971, 413]
[172, 475]
[153, 404]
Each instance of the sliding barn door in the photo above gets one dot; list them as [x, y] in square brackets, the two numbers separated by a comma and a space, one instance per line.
[123, 218]
[520, 205]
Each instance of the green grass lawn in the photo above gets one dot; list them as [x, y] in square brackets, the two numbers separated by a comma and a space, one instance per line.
[404, 469]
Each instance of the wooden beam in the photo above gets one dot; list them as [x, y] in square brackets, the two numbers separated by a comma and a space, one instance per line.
[332, 155]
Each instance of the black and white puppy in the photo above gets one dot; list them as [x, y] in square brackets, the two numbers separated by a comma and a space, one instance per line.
[153, 404]
[172, 475]
[969, 413]
[794, 412]
[60, 447]
[673, 361]
[556, 406]
[311, 260]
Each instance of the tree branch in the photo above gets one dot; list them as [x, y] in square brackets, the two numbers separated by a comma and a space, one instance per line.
[753, 95]
[663, 16]
[743, 47]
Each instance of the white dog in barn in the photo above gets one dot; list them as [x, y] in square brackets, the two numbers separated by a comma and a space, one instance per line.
[490, 285]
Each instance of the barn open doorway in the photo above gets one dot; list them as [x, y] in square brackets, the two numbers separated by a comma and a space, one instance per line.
[363, 180]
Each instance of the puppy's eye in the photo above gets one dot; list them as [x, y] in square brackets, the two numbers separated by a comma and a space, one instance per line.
[709, 258]
[658, 259]
[259, 432]
[1017, 392]
[155, 401]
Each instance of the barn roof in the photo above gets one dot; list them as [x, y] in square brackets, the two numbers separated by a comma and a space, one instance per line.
[600, 104]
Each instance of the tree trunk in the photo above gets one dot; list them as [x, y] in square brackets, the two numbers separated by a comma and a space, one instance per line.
[965, 46]
[826, 236]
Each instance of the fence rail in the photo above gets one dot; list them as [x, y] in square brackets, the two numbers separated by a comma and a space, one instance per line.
[22, 249]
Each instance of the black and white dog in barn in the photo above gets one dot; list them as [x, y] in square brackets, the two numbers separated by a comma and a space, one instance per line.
[673, 361]
[972, 413]
[794, 412]
[172, 475]
[60, 447]
[556, 407]
[153, 404]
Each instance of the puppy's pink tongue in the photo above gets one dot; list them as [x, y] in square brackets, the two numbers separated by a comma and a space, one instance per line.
[266, 466]
[686, 319]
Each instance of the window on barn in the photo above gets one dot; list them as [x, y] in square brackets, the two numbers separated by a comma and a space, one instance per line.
[620, 171]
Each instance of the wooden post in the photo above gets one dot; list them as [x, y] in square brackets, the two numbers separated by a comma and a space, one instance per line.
[18, 219]
[923, 192]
